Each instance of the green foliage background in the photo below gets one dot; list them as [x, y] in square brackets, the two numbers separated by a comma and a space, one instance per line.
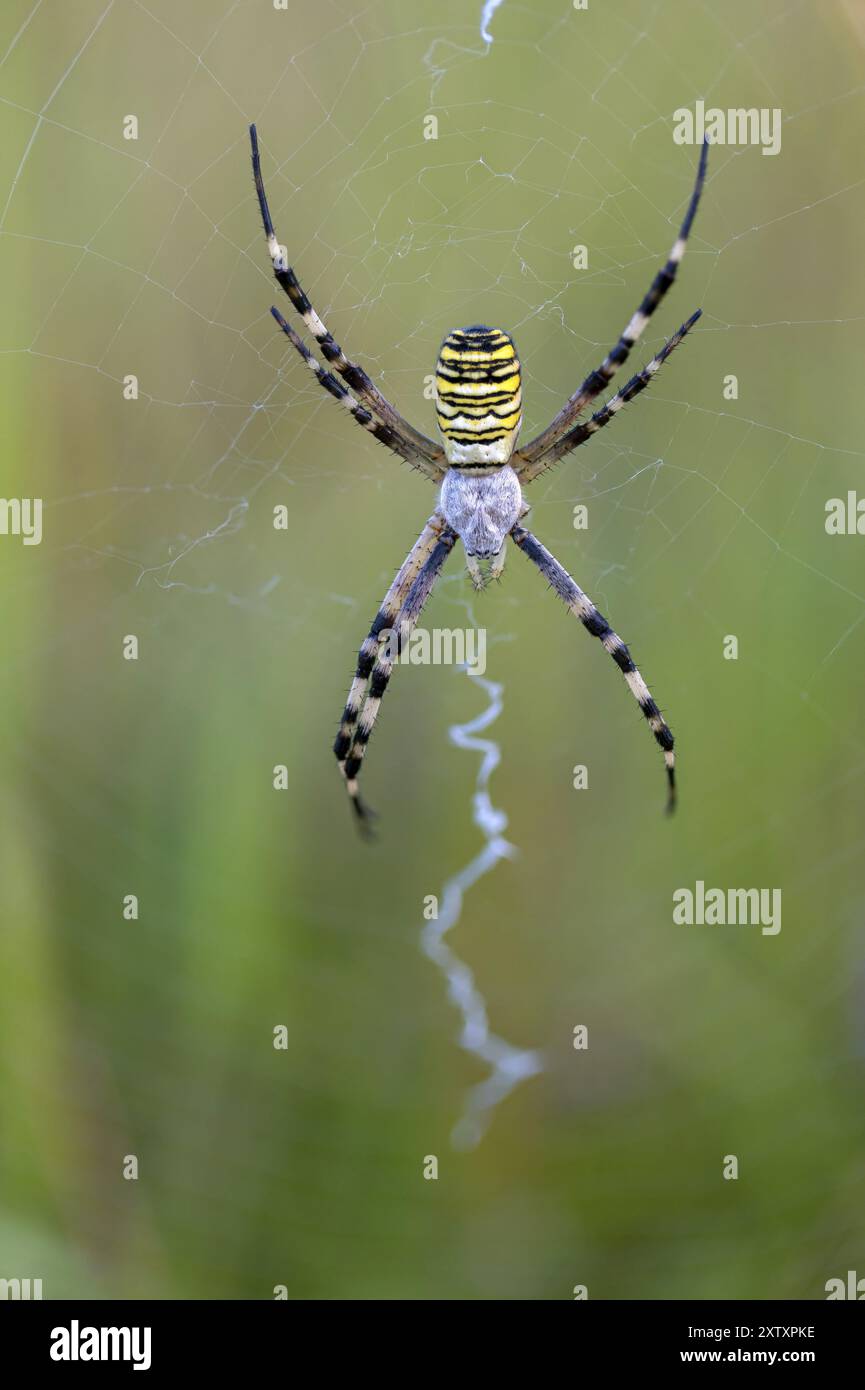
[153, 1037]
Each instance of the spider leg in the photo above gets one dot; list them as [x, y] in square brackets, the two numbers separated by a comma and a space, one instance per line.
[383, 433]
[580, 433]
[476, 574]
[382, 622]
[498, 564]
[351, 372]
[381, 670]
[385, 620]
[598, 380]
[595, 623]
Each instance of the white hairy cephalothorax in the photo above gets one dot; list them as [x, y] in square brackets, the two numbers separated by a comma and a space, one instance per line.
[481, 507]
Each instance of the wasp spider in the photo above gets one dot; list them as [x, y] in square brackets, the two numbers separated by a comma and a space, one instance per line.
[479, 472]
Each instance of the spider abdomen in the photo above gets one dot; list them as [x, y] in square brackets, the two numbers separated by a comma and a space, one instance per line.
[478, 396]
[481, 507]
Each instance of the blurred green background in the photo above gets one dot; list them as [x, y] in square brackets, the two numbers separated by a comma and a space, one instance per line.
[304, 1167]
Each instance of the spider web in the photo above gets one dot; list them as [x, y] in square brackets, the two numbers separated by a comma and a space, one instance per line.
[143, 258]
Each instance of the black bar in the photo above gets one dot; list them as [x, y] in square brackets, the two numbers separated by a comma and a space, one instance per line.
[222, 1338]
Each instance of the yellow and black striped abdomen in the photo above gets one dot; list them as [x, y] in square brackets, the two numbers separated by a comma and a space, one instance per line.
[478, 396]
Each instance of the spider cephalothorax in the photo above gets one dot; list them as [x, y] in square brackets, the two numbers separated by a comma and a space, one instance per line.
[480, 471]
[482, 505]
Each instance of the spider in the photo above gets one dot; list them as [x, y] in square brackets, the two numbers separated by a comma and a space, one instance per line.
[479, 472]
